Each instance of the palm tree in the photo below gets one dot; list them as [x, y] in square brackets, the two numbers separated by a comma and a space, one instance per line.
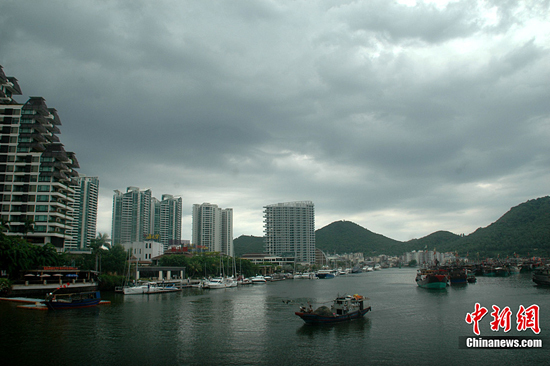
[28, 227]
[97, 244]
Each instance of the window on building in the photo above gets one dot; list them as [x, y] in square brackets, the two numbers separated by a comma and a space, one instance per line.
[42, 198]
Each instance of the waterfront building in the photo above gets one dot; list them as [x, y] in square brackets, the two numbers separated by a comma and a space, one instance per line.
[37, 175]
[144, 251]
[213, 228]
[85, 214]
[261, 258]
[290, 228]
[137, 216]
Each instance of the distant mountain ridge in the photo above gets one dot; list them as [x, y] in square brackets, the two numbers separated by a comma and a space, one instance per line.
[523, 230]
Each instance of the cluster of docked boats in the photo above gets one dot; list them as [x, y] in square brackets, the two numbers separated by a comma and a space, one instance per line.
[441, 277]
[148, 287]
[228, 282]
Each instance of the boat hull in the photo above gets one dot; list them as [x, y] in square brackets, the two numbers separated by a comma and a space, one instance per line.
[435, 282]
[311, 318]
[258, 280]
[542, 277]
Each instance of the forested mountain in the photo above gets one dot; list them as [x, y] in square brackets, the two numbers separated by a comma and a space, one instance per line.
[524, 230]
[348, 237]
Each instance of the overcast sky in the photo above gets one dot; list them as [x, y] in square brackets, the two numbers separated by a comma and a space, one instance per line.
[405, 117]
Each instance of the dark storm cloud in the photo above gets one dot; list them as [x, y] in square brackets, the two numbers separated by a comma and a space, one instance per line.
[405, 117]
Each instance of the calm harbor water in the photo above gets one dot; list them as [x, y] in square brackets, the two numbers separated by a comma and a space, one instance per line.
[256, 325]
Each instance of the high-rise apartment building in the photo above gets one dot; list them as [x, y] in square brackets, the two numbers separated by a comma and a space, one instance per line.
[213, 228]
[290, 230]
[138, 216]
[37, 175]
[85, 213]
[131, 216]
[227, 232]
[169, 218]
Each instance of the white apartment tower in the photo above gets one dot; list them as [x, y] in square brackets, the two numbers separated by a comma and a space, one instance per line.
[37, 175]
[85, 213]
[290, 230]
[213, 228]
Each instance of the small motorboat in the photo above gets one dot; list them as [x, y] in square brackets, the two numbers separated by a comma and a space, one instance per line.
[73, 300]
[258, 280]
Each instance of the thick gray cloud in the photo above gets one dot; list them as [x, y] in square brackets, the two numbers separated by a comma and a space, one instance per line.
[406, 117]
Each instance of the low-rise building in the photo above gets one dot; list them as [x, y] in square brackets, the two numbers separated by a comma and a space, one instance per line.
[144, 251]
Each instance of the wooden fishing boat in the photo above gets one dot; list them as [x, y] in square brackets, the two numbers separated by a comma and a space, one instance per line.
[343, 308]
[431, 279]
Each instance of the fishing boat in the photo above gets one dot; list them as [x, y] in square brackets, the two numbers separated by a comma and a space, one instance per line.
[458, 276]
[502, 271]
[541, 276]
[343, 308]
[73, 300]
[431, 279]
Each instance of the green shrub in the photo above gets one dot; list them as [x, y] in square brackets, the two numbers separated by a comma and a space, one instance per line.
[109, 282]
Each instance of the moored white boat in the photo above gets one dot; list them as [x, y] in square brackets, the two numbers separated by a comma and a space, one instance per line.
[145, 288]
[219, 282]
[258, 280]
[326, 273]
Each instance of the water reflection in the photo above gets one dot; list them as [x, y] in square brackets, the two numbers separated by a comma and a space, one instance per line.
[353, 329]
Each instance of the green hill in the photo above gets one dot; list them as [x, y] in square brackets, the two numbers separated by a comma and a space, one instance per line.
[524, 230]
[348, 237]
[438, 240]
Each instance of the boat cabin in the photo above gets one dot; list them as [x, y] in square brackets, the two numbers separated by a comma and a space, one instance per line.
[345, 304]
